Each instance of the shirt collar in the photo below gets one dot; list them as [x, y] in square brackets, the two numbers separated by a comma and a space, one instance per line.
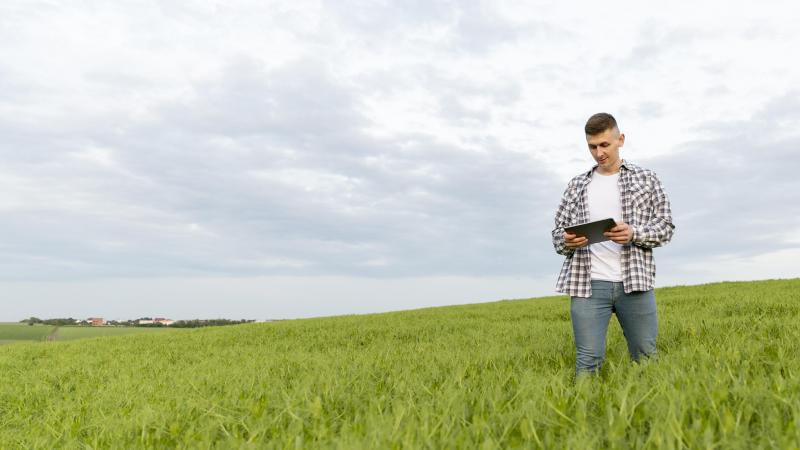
[624, 164]
[587, 176]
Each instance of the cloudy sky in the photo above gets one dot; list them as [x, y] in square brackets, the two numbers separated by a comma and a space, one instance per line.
[255, 159]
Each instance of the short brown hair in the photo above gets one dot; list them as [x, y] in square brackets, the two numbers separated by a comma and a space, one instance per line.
[599, 123]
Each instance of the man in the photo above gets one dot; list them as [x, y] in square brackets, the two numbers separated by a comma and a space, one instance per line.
[618, 275]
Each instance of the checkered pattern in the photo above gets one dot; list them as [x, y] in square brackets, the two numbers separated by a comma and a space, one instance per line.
[645, 207]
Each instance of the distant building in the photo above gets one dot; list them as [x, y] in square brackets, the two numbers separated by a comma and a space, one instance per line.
[156, 321]
[96, 321]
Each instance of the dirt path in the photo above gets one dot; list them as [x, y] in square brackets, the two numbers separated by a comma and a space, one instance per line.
[52, 336]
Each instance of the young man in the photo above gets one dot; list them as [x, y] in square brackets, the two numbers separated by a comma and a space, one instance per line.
[615, 276]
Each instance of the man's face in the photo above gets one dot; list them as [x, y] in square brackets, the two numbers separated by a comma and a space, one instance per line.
[604, 148]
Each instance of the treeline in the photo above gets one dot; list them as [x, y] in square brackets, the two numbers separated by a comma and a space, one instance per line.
[57, 322]
[195, 323]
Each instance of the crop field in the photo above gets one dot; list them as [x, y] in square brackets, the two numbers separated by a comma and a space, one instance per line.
[14, 332]
[492, 375]
[20, 332]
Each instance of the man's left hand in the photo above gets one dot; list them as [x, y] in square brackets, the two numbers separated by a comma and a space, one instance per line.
[621, 234]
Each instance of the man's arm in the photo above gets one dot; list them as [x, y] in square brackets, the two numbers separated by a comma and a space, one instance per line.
[562, 220]
[658, 230]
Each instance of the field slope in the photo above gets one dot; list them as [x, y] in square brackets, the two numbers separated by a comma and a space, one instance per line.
[494, 375]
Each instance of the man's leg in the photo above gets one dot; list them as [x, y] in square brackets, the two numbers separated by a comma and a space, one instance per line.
[637, 315]
[590, 318]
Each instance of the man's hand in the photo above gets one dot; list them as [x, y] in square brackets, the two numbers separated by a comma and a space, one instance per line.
[575, 241]
[621, 234]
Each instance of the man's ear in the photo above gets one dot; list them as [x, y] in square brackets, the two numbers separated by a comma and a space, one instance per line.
[621, 139]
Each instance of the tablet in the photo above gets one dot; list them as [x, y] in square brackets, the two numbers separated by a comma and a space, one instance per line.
[592, 230]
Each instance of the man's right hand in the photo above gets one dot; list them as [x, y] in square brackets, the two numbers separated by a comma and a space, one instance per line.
[575, 241]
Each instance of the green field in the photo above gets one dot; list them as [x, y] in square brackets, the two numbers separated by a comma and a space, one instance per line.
[14, 332]
[494, 375]
[20, 332]
[72, 333]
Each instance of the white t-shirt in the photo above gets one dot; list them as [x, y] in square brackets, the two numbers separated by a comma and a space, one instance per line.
[604, 202]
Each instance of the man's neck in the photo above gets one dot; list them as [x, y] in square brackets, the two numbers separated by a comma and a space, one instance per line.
[611, 171]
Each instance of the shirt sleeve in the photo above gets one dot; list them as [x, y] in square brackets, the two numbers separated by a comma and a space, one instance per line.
[562, 220]
[659, 229]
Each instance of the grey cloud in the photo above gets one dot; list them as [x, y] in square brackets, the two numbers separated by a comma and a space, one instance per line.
[453, 108]
[478, 29]
[269, 172]
[12, 87]
[295, 100]
[385, 19]
[453, 92]
[717, 91]
[759, 29]
[733, 192]
[780, 110]
[655, 41]
[650, 109]
[472, 26]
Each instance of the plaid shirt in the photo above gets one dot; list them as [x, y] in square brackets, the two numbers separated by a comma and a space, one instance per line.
[645, 207]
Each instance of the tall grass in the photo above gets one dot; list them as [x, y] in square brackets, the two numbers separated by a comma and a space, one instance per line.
[496, 375]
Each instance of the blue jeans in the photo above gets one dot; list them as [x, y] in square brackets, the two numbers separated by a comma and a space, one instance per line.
[636, 313]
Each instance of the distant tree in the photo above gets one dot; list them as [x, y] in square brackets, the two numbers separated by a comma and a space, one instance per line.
[193, 323]
[60, 321]
[197, 323]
